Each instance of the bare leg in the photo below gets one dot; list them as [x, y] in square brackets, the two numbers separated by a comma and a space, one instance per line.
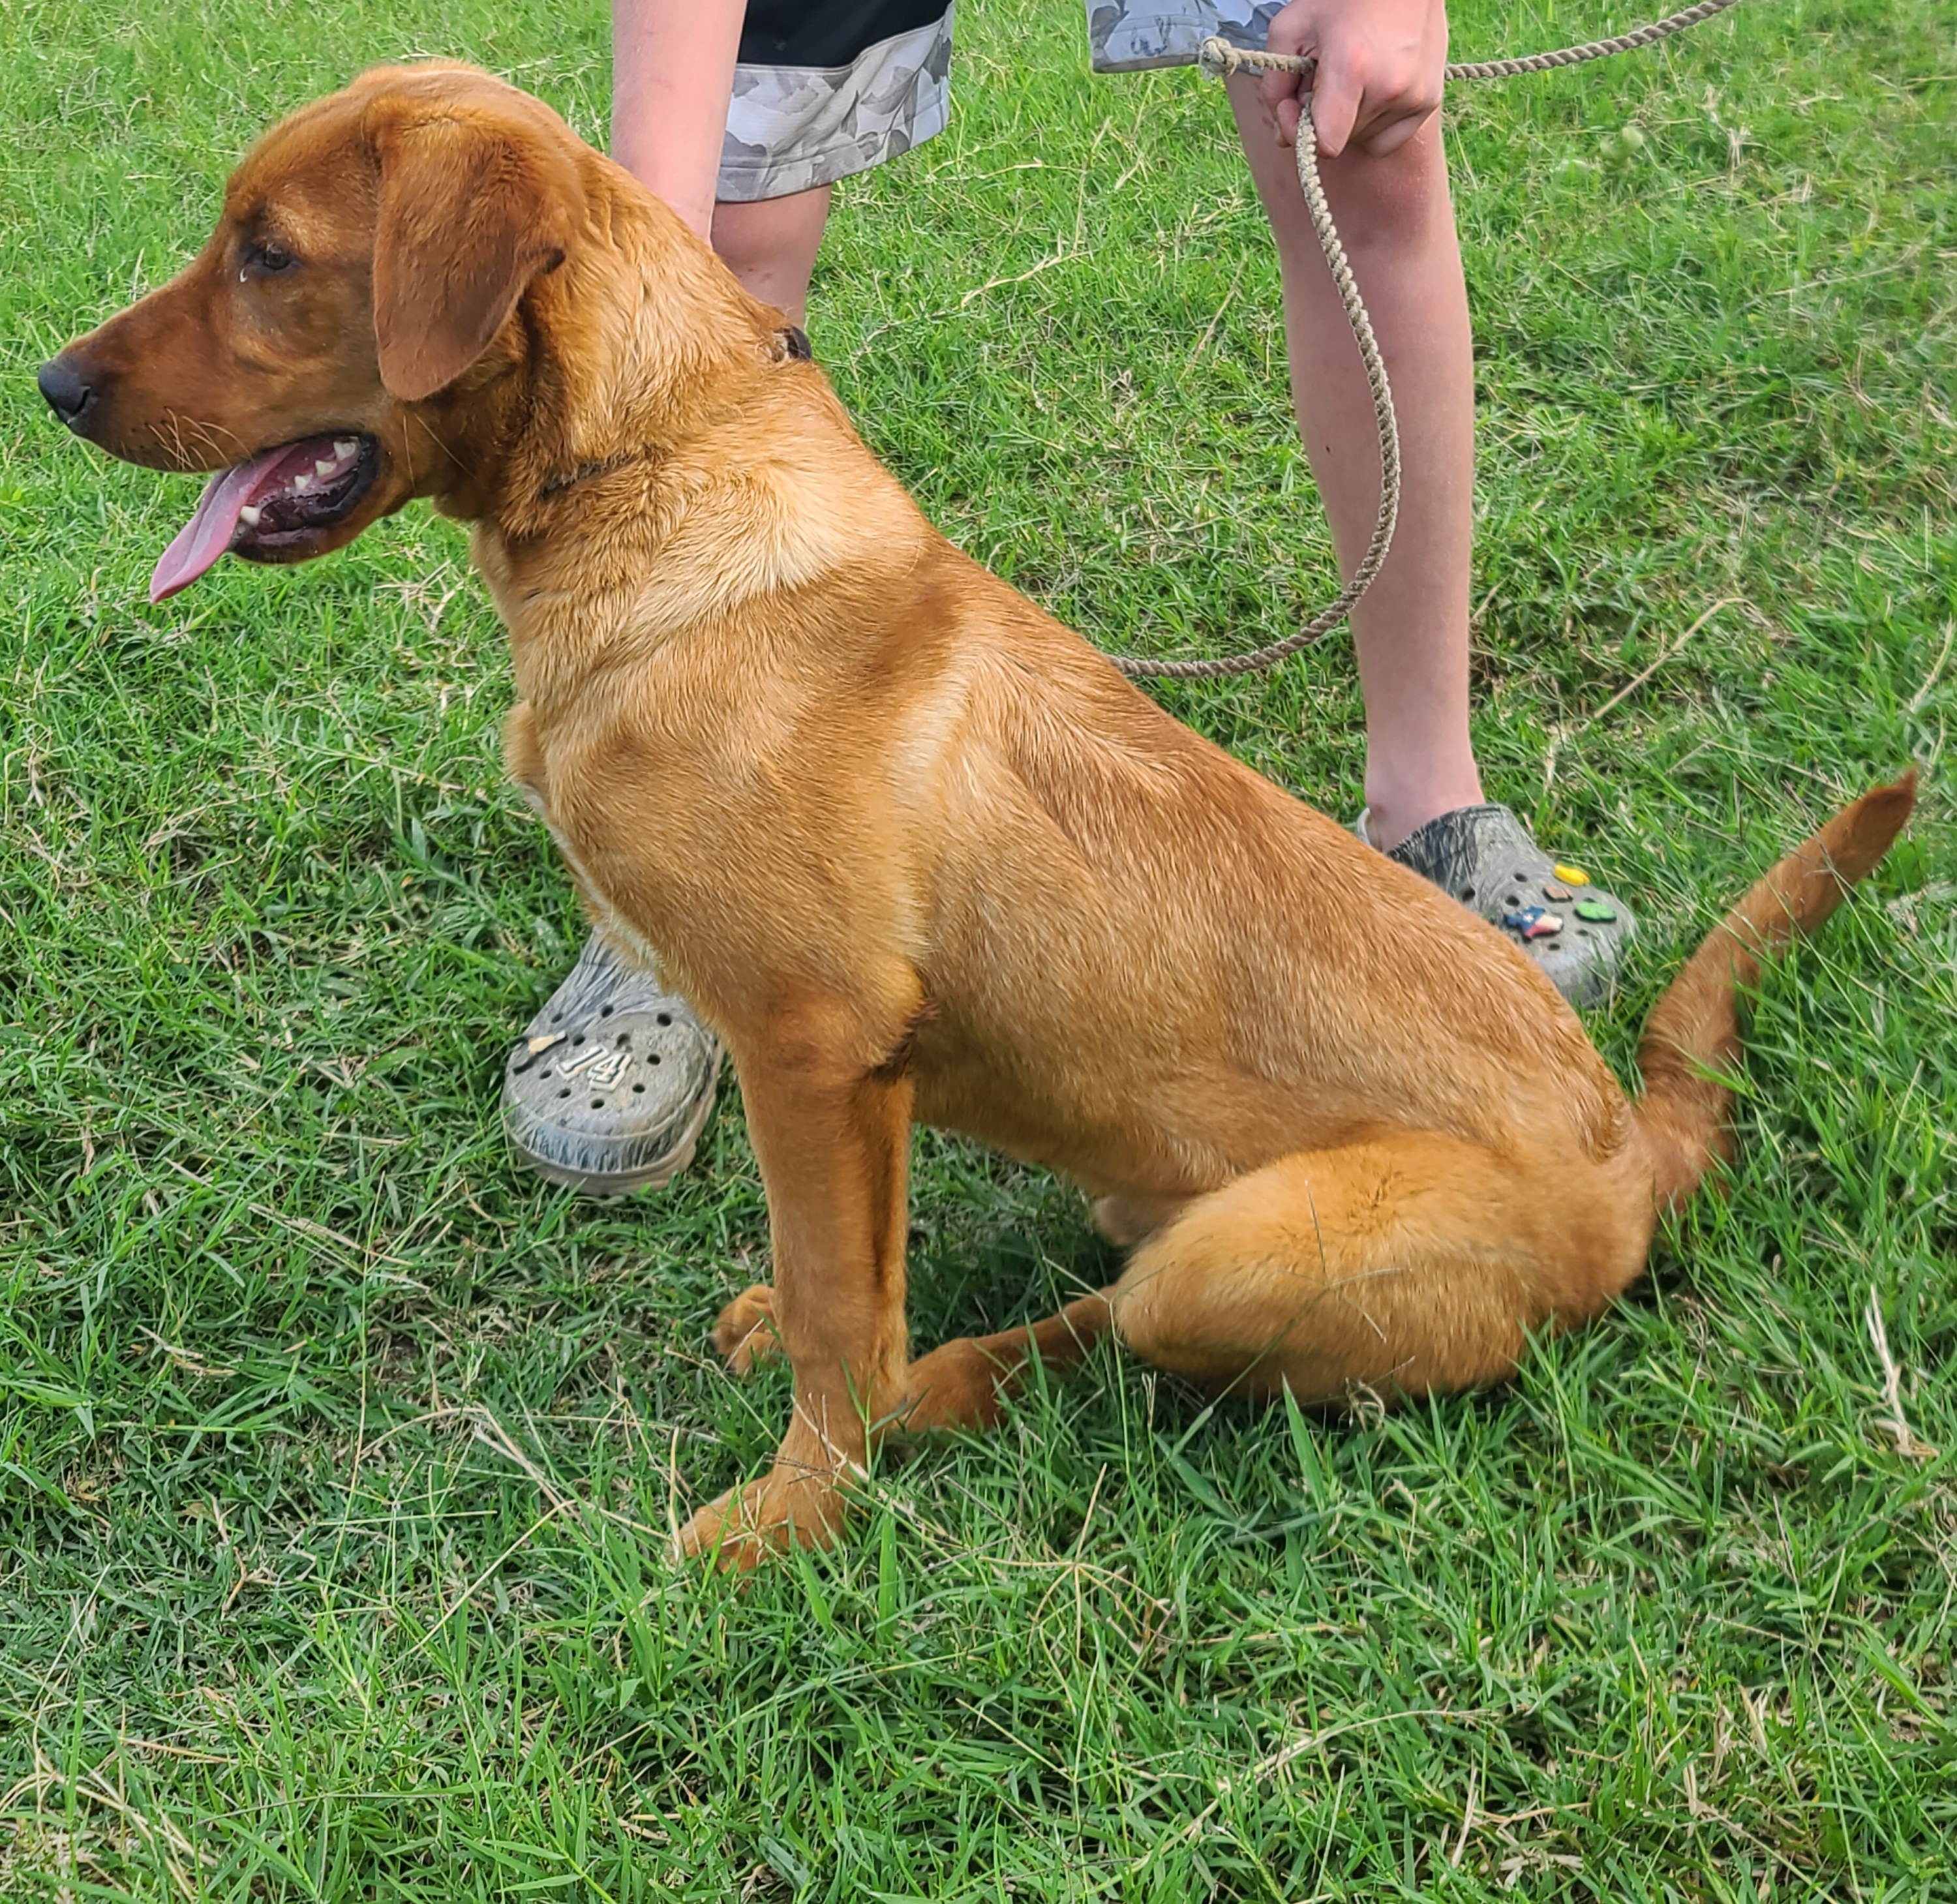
[672, 69]
[1396, 220]
[770, 245]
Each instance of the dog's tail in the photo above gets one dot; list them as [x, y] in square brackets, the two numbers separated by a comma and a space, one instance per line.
[1693, 1036]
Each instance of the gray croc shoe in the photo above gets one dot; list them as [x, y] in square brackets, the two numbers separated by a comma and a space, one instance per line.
[1486, 858]
[607, 1089]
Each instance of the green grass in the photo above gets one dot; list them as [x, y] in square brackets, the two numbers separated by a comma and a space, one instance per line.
[336, 1456]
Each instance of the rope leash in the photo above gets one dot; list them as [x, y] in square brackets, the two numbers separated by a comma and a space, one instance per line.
[1219, 59]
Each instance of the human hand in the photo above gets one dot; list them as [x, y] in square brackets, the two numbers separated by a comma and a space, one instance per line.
[1379, 75]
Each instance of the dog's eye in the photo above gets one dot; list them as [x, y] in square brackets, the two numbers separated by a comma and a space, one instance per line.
[270, 257]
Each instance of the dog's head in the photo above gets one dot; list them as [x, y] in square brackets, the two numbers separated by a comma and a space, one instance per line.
[359, 298]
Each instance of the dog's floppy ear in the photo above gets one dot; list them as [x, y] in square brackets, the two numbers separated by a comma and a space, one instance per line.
[473, 206]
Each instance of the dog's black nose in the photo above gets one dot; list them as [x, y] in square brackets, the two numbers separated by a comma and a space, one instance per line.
[68, 392]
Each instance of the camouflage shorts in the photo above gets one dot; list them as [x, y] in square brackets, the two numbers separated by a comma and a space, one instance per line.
[791, 127]
[1124, 36]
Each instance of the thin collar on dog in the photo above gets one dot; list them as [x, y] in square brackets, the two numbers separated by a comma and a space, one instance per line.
[586, 471]
[795, 348]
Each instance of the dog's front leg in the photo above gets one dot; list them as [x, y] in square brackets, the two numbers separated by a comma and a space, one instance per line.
[833, 1144]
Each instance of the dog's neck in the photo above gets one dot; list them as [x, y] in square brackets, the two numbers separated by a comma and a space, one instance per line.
[611, 359]
[649, 426]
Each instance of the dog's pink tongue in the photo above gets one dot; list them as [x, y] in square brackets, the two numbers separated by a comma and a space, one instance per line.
[209, 531]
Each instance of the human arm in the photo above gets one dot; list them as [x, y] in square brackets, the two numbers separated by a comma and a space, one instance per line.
[672, 69]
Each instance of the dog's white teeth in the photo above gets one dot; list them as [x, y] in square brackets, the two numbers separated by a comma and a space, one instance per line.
[301, 485]
[249, 515]
[325, 466]
[347, 450]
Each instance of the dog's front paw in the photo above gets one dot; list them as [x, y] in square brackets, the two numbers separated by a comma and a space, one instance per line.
[745, 1333]
[749, 1525]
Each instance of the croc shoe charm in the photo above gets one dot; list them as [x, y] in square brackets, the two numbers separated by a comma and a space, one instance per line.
[1532, 922]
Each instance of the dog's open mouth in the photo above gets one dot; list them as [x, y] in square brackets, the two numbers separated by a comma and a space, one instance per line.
[272, 508]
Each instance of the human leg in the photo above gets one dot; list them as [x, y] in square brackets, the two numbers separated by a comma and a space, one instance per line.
[1425, 804]
[1396, 220]
[770, 245]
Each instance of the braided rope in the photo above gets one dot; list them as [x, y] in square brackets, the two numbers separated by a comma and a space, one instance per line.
[1673, 23]
[1335, 610]
[1219, 59]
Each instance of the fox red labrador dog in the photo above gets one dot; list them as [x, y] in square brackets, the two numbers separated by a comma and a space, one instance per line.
[916, 851]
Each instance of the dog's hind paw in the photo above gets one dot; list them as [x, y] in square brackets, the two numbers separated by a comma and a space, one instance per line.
[788, 1506]
[745, 1333]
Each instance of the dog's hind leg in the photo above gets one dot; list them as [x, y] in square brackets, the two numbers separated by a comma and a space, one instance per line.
[965, 1383]
[1404, 1264]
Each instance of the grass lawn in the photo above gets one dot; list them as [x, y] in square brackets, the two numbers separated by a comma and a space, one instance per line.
[336, 1455]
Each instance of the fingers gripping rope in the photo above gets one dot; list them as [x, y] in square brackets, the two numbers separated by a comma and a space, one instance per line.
[1219, 59]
